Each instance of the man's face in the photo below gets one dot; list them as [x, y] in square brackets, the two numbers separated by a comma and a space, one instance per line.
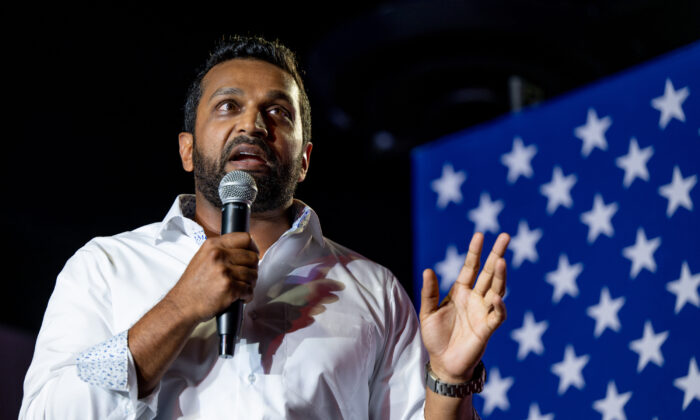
[248, 119]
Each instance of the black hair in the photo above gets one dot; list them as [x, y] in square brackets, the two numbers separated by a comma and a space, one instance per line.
[238, 46]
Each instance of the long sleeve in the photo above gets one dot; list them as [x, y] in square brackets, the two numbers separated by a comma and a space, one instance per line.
[398, 389]
[82, 367]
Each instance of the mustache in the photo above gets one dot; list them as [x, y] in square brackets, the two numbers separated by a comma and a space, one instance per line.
[270, 156]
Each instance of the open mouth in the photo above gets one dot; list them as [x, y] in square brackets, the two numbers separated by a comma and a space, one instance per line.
[248, 156]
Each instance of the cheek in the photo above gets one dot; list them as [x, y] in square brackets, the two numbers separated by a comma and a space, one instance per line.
[215, 129]
[293, 153]
[212, 136]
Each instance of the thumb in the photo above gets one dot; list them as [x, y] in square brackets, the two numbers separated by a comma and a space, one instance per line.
[430, 294]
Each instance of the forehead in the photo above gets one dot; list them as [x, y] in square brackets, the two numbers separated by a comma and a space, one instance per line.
[252, 76]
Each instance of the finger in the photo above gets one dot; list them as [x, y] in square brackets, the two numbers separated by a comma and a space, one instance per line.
[245, 292]
[467, 274]
[498, 285]
[496, 317]
[241, 240]
[483, 283]
[430, 294]
[243, 257]
[253, 246]
[241, 274]
[243, 285]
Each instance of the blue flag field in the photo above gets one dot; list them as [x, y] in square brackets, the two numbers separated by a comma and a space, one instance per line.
[599, 191]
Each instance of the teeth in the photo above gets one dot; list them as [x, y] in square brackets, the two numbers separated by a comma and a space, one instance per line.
[245, 155]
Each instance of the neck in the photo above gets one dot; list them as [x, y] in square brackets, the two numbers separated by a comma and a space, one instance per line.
[265, 228]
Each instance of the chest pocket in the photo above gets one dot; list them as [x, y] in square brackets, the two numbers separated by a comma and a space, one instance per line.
[327, 366]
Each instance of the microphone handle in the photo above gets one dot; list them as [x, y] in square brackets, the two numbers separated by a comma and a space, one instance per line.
[235, 217]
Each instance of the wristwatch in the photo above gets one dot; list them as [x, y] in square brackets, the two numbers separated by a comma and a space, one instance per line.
[472, 386]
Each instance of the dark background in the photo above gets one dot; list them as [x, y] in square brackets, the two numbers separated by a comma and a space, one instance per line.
[93, 106]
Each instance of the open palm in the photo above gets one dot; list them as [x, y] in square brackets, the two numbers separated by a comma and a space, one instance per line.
[456, 332]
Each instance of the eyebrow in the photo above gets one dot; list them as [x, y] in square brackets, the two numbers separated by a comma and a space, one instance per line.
[222, 91]
[271, 96]
[278, 94]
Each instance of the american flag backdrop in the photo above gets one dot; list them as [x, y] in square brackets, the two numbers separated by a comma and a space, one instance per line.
[598, 190]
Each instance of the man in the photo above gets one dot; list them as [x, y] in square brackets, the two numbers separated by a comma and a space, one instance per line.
[129, 330]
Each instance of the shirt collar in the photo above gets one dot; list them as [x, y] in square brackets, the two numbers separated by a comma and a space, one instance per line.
[180, 217]
[305, 219]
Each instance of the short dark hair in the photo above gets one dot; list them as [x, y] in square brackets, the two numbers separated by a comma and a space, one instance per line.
[238, 46]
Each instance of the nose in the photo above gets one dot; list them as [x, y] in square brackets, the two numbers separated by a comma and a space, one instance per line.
[253, 124]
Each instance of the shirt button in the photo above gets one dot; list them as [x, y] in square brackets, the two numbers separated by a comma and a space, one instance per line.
[251, 378]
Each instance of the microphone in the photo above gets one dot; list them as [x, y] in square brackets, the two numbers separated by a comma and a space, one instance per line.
[237, 191]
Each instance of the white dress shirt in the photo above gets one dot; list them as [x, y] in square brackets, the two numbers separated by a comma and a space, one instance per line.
[328, 335]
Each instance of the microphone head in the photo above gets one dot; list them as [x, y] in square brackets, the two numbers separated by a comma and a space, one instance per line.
[237, 187]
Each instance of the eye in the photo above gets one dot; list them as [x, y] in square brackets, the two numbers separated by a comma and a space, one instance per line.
[280, 111]
[227, 106]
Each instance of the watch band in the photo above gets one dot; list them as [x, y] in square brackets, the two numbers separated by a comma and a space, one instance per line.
[472, 386]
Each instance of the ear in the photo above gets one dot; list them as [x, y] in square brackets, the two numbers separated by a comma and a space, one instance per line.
[305, 160]
[186, 144]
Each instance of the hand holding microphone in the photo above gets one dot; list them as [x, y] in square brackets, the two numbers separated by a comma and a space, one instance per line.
[237, 191]
[218, 279]
[222, 274]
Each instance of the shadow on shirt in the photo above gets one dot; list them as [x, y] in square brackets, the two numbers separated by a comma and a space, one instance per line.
[290, 305]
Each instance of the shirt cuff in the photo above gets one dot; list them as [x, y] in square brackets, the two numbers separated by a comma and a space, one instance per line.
[106, 364]
[110, 365]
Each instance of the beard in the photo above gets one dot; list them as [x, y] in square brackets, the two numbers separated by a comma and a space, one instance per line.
[275, 189]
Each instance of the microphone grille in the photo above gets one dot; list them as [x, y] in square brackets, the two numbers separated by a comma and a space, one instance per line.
[237, 187]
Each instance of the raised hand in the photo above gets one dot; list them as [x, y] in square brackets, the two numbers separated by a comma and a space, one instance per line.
[456, 332]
